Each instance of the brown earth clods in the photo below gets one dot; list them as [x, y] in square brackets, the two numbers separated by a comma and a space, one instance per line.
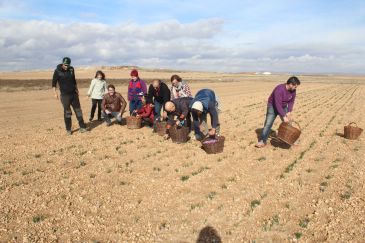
[118, 185]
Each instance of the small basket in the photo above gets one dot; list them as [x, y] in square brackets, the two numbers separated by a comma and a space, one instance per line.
[352, 132]
[134, 122]
[289, 134]
[160, 128]
[179, 134]
[213, 147]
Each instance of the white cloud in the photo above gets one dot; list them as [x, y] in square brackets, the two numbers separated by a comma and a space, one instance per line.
[200, 45]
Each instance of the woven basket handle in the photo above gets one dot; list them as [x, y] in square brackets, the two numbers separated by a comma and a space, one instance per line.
[352, 123]
[297, 125]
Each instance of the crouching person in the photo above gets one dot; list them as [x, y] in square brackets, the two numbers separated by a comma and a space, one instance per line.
[146, 112]
[280, 102]
[204, 103]
[113, 105]
[179, 108]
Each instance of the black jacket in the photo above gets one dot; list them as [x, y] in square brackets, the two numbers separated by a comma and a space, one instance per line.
[162, 95]
[182, 110]
[65, 79]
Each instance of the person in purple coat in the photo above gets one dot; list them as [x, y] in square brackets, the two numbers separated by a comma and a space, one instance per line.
[280, 103]
[137, 88]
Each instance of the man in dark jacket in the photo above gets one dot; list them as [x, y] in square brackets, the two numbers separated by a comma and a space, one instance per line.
[158, 95]
[178, 108]
[64, 75]
[204, 103]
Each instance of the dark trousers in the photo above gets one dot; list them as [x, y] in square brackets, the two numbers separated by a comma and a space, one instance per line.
[94, 103]
[69, 100]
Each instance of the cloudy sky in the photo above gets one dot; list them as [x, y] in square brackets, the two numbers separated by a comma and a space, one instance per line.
[295, 36]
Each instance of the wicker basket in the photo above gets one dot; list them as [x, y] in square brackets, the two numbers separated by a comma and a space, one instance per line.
[134, 122]
[213, 145]
[289, 134]
[352, 132]
[179, 134]
[160, 128]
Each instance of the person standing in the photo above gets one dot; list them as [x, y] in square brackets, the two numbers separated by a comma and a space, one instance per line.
[64, 76]
[204, 103]
[96, 92]
[158, 95]
[280, 103]
[136, 90]
[113, 105]
[179, 88]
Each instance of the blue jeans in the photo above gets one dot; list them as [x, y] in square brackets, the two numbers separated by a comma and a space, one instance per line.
[108, 117]
[271, 115]
[157, 110]
[134, 105]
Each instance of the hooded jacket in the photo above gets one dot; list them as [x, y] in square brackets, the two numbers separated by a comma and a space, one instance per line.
[65, 79]
[208, 99]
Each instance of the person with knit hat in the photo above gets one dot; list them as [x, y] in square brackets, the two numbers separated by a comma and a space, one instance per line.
[204, 103]
[64, 76]
[137, 88]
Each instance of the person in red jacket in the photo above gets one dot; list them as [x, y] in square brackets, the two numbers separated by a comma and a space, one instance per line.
[146, 112]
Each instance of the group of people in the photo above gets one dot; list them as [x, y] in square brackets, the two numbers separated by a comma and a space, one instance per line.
[176, 104]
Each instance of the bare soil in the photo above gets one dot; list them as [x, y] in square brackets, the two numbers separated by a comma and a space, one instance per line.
[118, 185]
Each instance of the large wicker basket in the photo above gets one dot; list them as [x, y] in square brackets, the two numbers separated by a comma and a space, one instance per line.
[134, 122]
[179, 134]
[352, 132]
[213, 145]
[160, 128]
[289, 134]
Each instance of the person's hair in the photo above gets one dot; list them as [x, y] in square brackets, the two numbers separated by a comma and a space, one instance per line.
[293, 80]
[111, 86]
[100, 73]
[177, 77]
[147, 99]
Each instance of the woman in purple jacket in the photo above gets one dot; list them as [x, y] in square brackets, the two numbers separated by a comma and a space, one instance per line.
[137, 88]
[281, 102]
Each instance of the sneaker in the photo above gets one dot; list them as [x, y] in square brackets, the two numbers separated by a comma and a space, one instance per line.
[69, 132]
[82, 130]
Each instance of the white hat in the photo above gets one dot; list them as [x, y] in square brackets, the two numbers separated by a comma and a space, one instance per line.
[197, 105]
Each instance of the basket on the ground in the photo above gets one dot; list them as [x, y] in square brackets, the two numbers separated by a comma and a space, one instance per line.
[352, 132]
[134, 122]
[179, 134]
[160, 128]
[289, 134]
[213, 145]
